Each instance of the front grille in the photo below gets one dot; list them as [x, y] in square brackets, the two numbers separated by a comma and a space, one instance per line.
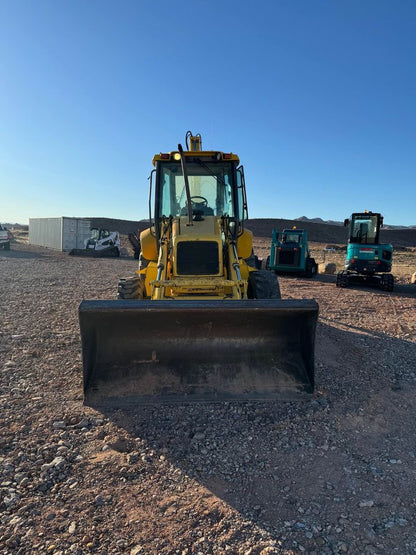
[197, 258]
[287, 257]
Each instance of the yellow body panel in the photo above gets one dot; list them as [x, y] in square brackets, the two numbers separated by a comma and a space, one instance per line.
[162, 279]
[148, 244]
[245, 244]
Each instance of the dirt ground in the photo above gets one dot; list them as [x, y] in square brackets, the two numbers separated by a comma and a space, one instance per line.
[333, 474]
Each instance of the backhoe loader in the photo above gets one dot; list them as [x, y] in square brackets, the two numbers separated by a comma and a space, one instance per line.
[197, 321]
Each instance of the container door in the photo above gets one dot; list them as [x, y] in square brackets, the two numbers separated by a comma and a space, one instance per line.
[83, 233]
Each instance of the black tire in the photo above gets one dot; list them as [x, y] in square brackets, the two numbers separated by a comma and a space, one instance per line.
[263, 284]
[265, 264]
[387, 282]
[342, 279]
[310, 267]
[130, 288]
[6, 246]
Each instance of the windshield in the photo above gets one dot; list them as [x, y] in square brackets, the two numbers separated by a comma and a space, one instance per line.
[290, 238]
[210, 185]
[364, 229]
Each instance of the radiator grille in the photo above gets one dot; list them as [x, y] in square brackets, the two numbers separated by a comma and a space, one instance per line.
[287, 257]
[197, 258]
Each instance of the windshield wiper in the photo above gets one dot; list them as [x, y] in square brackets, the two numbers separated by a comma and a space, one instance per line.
[217, 177]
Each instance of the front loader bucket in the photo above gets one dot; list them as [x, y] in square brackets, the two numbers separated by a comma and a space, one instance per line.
[138, 352]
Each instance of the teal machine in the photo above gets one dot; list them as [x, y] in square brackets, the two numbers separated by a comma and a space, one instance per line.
[289, 253]
[368, 261]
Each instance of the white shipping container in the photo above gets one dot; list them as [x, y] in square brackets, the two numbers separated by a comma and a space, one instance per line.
[63, 234]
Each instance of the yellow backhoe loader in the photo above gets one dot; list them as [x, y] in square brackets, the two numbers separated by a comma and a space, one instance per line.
[198, 321]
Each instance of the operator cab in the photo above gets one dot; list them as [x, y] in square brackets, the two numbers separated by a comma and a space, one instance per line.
[364, 228]
[215, 188]
[210, 187]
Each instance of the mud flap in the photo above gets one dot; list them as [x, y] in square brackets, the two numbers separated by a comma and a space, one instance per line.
[139, 351]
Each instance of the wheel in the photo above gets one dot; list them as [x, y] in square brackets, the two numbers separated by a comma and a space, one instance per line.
[387, 282]
[6, 246]
[342, 279]
[310, 267]
[263, 284]
[265, 263]
[130, 288]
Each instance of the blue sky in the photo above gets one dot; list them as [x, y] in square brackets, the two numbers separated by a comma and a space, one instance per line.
[317, 97]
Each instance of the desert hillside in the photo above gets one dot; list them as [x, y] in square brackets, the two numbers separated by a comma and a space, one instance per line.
[262, 227]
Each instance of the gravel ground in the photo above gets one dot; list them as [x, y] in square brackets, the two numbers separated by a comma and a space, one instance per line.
[333, 474]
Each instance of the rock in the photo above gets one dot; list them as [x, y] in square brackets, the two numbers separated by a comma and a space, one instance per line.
[328, 268]
[133, 458]
[98, 501]
[366, 503]
[72, 527]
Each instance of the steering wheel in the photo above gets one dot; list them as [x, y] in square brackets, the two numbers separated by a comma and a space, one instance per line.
[201, 200]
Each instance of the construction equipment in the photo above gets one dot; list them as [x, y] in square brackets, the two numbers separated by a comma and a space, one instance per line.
[197, 322]
[289, 253]
[367, 261]
[5, 237]
[102, 243]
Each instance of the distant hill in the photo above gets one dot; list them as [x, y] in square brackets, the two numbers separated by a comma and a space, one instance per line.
[332, 222]
[122, 226]
[15, 226]
[318, 221]
[318, 230]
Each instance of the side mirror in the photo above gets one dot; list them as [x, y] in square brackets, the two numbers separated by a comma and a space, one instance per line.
[346, 222]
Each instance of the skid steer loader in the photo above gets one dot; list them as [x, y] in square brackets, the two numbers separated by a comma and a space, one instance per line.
[101, 244]
[289, 253]
[197, 321]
